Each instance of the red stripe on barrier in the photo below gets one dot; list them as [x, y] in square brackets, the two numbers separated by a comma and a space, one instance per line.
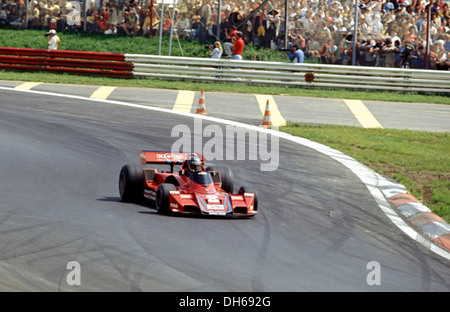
[23, 51]
[21, 67]
[87, 55]
[39, 61]
[106, 73]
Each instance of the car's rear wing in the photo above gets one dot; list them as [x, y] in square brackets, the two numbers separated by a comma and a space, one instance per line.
[155, 157]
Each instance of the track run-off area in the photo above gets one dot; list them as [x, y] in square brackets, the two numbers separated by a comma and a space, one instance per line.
[324, 223]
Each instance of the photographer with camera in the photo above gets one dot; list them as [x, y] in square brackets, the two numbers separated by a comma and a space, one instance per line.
[417, 56]
[407, 56]
[215, 51]
[296, 55]
[229, 40]
[238, 46]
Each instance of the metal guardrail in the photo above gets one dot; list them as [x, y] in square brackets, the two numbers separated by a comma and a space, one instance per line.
[288, 74]
[228, 71]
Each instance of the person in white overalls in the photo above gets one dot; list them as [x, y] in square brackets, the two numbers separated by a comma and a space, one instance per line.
[53, 40]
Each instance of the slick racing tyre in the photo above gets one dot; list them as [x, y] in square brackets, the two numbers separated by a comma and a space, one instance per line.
[226, 176]
[163, 197]
[131, 183]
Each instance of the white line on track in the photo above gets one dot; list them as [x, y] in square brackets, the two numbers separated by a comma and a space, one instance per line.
[375, 183]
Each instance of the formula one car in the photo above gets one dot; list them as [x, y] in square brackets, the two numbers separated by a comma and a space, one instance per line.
[191, 190]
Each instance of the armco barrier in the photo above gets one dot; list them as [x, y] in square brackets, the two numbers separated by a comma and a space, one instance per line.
[287, 74]
[228, 71]
[73, 62]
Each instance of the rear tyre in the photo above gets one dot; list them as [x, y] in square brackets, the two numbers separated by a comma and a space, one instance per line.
[244, 189]
[131, 183]
[163, 197]
[226, 176]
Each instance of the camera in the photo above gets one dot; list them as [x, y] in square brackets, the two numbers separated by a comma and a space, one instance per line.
[209, 47]
[409, 47]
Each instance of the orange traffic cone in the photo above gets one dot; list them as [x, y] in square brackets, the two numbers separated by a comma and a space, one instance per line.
[201, 108]
[267, 121]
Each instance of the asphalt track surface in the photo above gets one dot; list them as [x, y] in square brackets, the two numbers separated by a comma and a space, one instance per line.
[317, 229]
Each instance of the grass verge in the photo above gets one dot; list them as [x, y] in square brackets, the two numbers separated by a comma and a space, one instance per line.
[416, 159]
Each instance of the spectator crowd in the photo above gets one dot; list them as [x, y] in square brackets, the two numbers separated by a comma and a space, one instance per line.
[391, 33]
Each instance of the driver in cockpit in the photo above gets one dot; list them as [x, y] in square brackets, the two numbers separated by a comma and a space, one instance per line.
[194, 163]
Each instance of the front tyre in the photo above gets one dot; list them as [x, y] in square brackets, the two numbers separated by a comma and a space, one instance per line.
[244, 189]
[163, 197]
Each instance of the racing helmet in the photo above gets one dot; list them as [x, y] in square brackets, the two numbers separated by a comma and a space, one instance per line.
[194, 163]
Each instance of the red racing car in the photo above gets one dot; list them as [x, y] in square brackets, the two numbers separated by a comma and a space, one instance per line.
[191, 190]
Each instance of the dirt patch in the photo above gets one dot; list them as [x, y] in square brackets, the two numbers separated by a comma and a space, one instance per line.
[421, 180]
